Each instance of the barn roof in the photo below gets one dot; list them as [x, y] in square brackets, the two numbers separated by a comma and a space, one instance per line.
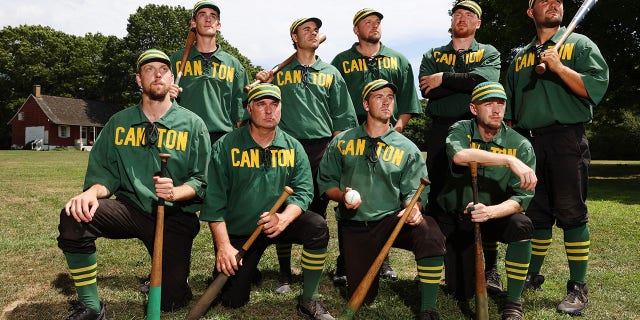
[72, 111]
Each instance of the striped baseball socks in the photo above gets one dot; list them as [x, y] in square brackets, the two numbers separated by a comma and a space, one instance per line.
[516, 265]
[490, 250]
[83, 268]
[284, 258]
[312, 263]
[429, 273]
[576, 244]
[540, 243]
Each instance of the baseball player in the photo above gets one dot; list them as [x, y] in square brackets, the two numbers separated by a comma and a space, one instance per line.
[368, 60]
[551, 109]
[248, 171]
[385, 167]
[124, 163]
[213, 80]
[316, 106]
[447, 76]
[506, 182]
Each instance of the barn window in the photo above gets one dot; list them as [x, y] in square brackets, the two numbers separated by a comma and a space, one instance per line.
[64, 132]
[20, 116]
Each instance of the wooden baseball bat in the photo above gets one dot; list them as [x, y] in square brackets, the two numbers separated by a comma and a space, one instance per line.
[281, 65]
[155, 283]
[482, 303]
[582, 12]
[361, 291]
[190, 39]
[202, 305]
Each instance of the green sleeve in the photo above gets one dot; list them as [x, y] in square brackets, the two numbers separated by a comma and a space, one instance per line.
[458, 138]
[593, 70]
[410, 180]
[343, 115]
[330, 170]
[215, 204]
[428, 65]
[489, 68]
[103, 167]
[301, 181]
[239, 112]
[199, 157]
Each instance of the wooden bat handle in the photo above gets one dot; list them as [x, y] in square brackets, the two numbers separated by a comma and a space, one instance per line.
[202, 305]
[361, 291]
[482, 303]
[281, 65]
[190, 39]
[155, 283]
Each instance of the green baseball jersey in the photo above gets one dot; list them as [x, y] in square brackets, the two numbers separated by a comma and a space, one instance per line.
[358, 70]
[536, 101]
[125, 158]
[315, 100]
[213, 89]
[245, 180]
[480, 59]
[385, 171]
[495, 183]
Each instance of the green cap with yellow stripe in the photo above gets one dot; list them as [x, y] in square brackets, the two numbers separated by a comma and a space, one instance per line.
[152, 55]
[486, 90]
[468, 5]
[205, 4]
[263, 90]
[377, 85]
[363, 13]
[301, 21]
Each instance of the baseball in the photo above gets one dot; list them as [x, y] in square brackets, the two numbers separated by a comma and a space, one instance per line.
[352, 197]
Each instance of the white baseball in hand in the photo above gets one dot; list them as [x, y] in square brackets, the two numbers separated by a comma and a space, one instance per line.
[352, 197]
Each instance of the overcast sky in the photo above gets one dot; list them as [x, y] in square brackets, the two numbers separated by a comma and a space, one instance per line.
[259, 29]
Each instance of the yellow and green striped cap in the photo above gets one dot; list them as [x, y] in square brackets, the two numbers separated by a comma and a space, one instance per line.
[468, 5]
[263, 90]
[152, 55]
[531, 2]
[301, 21]
[363, 13]
[377, 85]
[486, 90]
[205, 4]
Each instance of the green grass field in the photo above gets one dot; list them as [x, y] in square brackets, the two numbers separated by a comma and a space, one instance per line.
[34, 283]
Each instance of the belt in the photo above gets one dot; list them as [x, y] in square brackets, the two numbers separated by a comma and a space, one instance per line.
[554, 128]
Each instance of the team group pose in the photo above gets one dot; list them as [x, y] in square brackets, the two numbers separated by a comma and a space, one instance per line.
[259, 164]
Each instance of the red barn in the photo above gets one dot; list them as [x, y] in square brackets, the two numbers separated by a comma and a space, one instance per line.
[48, 122]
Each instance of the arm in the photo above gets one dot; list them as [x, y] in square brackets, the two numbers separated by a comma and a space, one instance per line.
[337, 195]
[527, 175]
[481, 213]
[570, 77]
[225, 252]
[83, 206]
[403, 119]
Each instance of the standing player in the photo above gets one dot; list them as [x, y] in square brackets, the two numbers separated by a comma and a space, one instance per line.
[124, 163]
[385, 167]
[213, 80]
[368, 60]
[507, 180]
[248, 171]
[448, 74]
[551, 110]
[316, 106]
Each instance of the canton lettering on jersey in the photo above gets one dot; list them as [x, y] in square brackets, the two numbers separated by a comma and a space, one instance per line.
[528, 59]
[251, 158]
[450, 58]
[218, 71]
[384, 152]
[135, 137]
[360, 64]
[295, 76]
[508, 151]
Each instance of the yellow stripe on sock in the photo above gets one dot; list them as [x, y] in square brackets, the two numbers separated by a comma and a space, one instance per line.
[304, 259]
[83, 269]
[316, 256]
[516, 264]
[308, 267]
[84, 276]
[577, 244]
[429, 281]
[577, 250]
[578, 258]
[516, 277]
[541, 241]
[518, 271]
[427, 268]
[84, 283]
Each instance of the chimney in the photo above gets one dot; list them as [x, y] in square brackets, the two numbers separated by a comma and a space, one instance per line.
[36, 90]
